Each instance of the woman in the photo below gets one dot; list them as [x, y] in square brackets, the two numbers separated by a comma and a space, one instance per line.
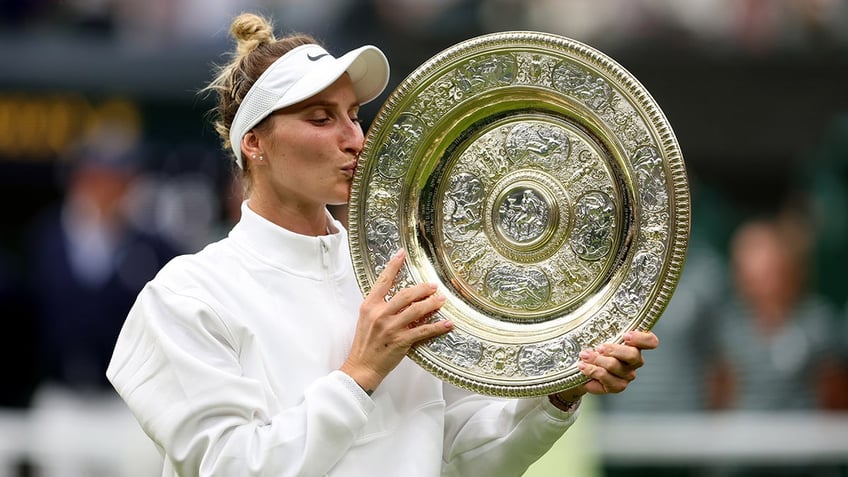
[258, 355]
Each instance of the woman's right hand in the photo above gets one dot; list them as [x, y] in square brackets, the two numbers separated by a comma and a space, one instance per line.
[386, 330]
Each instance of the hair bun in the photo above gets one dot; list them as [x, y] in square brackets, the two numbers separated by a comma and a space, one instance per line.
[250, 31]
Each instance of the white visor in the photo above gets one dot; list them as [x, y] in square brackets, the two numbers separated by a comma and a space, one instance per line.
[302, 73]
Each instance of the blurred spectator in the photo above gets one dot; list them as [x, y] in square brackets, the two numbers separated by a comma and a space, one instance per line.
[775, 333]
[88, 264]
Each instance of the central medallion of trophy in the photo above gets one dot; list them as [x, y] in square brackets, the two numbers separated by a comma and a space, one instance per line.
[524, 220]
[523, 214]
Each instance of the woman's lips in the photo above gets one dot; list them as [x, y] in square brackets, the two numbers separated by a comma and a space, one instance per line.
[350, 168]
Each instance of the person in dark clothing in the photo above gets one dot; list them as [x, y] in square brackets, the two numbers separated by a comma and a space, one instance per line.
[88, 263]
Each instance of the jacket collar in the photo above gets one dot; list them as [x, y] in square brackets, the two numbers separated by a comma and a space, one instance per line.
[303, 255]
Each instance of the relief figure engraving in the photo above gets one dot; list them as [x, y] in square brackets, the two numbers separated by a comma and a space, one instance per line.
[592, 90]
[594, 226]
[463, 206]
[541, 187]
[547, 144]
[478, 74]
[523, 215]
[457, 347]
[541, 359]
[518, 287]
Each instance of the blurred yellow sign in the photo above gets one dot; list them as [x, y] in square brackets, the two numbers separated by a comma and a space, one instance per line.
[39, 127]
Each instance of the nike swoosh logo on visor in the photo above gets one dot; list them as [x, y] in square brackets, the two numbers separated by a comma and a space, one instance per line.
[316, 58]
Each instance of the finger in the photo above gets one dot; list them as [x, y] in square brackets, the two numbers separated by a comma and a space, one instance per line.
[419, 310]
[596, 387]
[407, 296]
[429, 330]
[641, 339]
[613, 366]
[423, 320]
[627, 355]
[603, 382]
[386, 279]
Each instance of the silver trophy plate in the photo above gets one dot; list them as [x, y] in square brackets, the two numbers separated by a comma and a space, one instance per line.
[541, 186]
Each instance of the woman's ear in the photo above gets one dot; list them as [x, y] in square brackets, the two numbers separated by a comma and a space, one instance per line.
[250, 147]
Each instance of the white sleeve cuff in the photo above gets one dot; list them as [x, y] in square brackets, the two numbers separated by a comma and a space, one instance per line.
[355, 390]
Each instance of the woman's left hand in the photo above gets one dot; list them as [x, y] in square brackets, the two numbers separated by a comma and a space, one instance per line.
[611, 366]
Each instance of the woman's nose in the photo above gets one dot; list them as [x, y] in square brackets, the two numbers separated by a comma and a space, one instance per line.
[353, 137]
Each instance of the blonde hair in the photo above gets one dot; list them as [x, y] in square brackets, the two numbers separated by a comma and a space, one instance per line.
[256, 49]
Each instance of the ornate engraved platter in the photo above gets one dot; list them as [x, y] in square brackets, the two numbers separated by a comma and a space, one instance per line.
[540, 184]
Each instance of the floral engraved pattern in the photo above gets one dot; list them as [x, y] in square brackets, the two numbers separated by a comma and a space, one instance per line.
[383, 238]
[571, 276]
[647, 163]
[397, 152]
[633, 293]
[509, 190]
[499, 360]
[604, 326]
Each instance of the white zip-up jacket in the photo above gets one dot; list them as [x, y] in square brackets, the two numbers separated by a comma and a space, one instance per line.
[229, 360]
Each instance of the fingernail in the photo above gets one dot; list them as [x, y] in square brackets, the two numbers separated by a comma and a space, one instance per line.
[628, 336]
[448, 324]
[440, 297]
[585, 354]
[398, 253]
[581, 365]
[601, 349]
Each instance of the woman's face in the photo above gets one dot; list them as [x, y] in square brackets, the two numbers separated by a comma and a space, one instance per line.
[310, 151]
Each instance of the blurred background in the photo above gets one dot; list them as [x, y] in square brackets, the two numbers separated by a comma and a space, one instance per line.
[109, 167]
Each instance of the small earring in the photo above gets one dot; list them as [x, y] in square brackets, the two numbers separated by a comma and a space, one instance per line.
[254, 156]
[261, 158]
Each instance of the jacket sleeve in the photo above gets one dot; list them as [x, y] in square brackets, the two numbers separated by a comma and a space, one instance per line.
[498, 437]
[176, 365]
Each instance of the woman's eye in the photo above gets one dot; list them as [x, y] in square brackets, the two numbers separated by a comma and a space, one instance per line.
[322, 120]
